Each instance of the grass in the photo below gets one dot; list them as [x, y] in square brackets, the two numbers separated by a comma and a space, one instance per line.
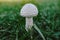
[12, 25]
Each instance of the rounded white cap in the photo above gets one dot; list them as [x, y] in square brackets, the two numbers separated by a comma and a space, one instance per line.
[29, 10]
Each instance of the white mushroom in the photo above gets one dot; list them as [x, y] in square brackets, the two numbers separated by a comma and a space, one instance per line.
[29, 11]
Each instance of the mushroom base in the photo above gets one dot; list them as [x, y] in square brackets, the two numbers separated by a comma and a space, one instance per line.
[29, 23]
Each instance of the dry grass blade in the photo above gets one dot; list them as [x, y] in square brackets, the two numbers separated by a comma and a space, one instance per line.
[39, 31]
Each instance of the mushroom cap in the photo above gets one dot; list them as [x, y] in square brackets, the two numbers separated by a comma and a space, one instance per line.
[29, 10]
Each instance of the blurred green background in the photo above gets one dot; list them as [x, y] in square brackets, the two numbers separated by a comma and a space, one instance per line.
[12, 25]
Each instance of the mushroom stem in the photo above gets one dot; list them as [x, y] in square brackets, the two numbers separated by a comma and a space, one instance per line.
[29, 23]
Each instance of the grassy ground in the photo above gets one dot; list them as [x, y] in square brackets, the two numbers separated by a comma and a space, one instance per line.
[12, 25]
